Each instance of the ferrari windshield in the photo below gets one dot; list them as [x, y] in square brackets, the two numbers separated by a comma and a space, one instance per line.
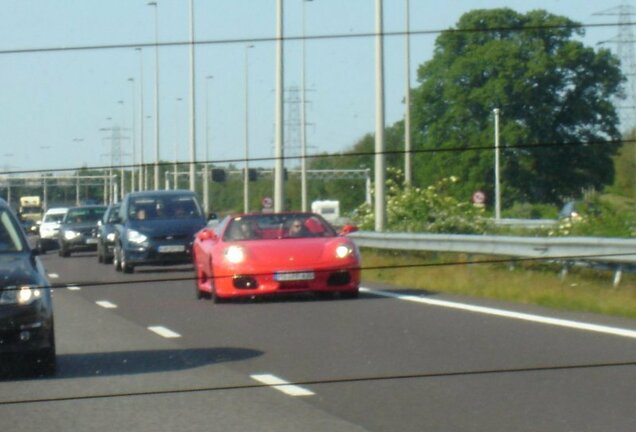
[277, 226]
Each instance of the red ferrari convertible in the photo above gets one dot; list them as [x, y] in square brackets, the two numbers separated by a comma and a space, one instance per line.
[267, 253]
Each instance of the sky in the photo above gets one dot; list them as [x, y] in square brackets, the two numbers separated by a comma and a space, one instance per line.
[59, 107]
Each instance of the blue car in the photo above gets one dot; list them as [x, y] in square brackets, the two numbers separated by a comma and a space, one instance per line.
[106, 234]
[156, 228]
[26, 308]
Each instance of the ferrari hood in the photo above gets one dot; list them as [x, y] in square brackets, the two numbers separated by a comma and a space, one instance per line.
[298, 253]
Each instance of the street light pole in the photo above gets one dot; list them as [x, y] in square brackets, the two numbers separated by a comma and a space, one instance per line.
[279, 167]
[134, 136]
[407, 98]
[380, 160]
[176, 146]
[303, 120]
[246, 187]
[142, 167]
[206, 176]
[497, 188]
[193, 143]
[155, 5]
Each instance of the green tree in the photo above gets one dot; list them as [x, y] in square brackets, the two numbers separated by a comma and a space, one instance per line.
[552, 91]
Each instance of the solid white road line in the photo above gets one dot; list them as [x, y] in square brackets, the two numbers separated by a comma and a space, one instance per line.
[281, 385]
[73, 288]
[164, 332]
[616, 331]
[106, 304]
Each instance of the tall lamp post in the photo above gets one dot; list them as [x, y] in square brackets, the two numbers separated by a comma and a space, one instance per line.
[206, 176]
[246, 179]
[303, 120]
[157, 141]
[407, 97]
[193, 141]
[142, 167]
[497, 188]
[176, 146]
[279, 167]
[134, 136]
[380, 159]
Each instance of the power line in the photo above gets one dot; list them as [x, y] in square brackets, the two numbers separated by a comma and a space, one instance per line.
[574, 26]
[567, 144]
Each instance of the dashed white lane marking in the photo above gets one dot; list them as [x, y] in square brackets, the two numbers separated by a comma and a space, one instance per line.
[106, 304]
[282, 385]
[616, 331]
[73, 288]
[164, 332]
[54, 275]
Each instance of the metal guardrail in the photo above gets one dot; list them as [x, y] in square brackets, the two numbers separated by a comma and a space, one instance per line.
[604, 250]
[526, 223]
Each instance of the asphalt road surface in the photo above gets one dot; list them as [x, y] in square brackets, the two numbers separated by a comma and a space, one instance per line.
[139, 353]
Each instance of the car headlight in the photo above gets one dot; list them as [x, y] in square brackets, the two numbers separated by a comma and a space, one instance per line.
[235, 254]
[134, 236]
[343, 251]
[20, 295]
[70, 234]
[110, 237]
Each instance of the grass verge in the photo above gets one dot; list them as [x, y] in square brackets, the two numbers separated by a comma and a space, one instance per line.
[529, 282]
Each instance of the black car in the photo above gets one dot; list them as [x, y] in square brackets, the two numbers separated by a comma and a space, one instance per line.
[78, 232]
[26, 309]
[106, 234]
[156, 228]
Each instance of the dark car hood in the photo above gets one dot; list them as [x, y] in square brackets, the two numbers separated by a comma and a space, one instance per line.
[168, 227]
[17, 269]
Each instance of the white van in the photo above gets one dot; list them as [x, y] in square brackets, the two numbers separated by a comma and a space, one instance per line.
[49, 229]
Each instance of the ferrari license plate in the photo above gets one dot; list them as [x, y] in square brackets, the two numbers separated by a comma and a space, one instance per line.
[293, 276]
[171, 248]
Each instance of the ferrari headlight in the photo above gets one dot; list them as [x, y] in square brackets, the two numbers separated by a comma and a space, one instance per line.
[343, 251]
[22, 295]
[70, 234]
[235, 254]
[136, 237]
[110, 237]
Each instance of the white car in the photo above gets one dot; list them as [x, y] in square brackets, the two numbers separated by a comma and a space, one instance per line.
[49, 228]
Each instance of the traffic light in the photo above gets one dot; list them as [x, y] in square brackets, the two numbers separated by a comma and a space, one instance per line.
[218, 175]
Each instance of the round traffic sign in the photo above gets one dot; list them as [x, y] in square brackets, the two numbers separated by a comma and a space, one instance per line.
[479, 197]
[267, 202]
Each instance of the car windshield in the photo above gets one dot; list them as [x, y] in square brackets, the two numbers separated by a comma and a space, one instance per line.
[84, 214]
[387, 251]
[112, 214]
[10, 240]
[53, 217]
[162, 207]
[277, 226]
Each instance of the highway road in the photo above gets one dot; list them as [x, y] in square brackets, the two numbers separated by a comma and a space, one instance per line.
[138, 352]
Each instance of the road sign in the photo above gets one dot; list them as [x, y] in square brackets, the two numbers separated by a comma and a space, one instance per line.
[267, 202]
[479, 198]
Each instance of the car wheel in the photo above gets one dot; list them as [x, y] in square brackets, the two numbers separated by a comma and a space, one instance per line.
[116, 253]
[44, 362]
[64, 253]
[124, 265]
[40, 247]
[198, 281]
